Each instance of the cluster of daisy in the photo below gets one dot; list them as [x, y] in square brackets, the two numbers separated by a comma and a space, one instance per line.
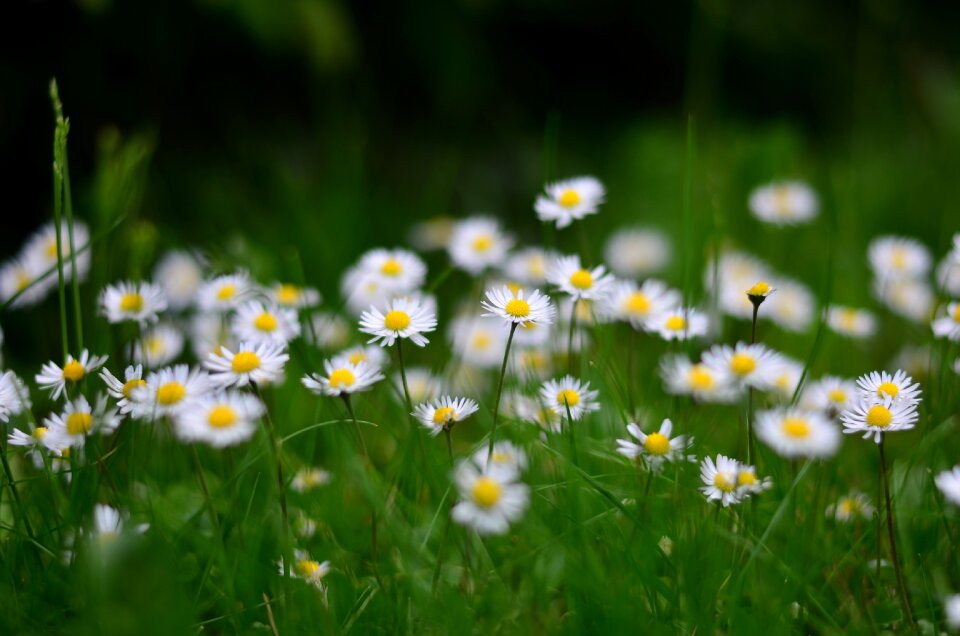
[31, 275]
[729, 481]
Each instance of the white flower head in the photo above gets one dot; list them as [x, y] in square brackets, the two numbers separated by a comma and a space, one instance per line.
[220, 419]
[444, 413]
[179, 274]
[656, 448]
[478, 243]
[678, 323]
[948, 326]
[748, 483]
[401, 318]
[14, 395]
[792, 307]
[331, 331]
[528, 265]
[41, 249]
[507, 458]
[159, 345]
[569, 394]
[898, 386]
[829, 395]
[78, 421]
[567, 273]
[341, 376]
[373, 355]
[307, 569]
[490, 500]
[720, 480]
[637, 252]
[424, 385]
[784, 203]
[794, 432]
[951, 611]
[875, 416]
[225, 292]
[122, 391]
[137, 302]
[910, 298]
[397, 270]
[949, 484]
[682, 377]
[893, 257]
[290, 296]
[635, 304]
[518, 307]
[569, 200]
[851, 322]
[259, 322]
[54, 378]
[851, 507]
[261, 363]
[167, 391]
[749, 365]
[24, 276]
[309, 478]
[478, 343]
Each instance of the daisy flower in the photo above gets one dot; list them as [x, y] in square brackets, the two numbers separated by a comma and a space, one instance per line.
[784, 203]
[290, 296]
[478, 243]
[54, 378]
[443, 414]
[855, 505]
[139, 302]
[570, 277]
[720, 480]
[851, 322]
[528, 265]
[374, 356]
[569, 394]
[307, 569]
[209, 332]
[309, 478]
[257, 322]
[637, 252]
[569, 200]
[490, 500]
[478, 343]
[875, 416]
[401, 318]
[332, 331]
[948, 326]
[531, 363]
[507, 458]
[898, 387]
[41, 248]
[656, 448]
[32, 442]
[342, 377]
[260, 364]
[160, 345]
[949, 484]
[735, 271]
[794, 432]
[948, 274]
[398, 270]
[225, 292]
[79, 420]
[829, 395]
[637, 305]
[894, 257]
[909, 298]
[17, 275]
[792, 307]
[424, 385]
[678, 323]
[361, 289]
[532, 335]
[14, 396]
[514, 308]
[748, 483]
[951, 611]
[121, 391]
[749, 365]
[221, 419]
[682, 377]
[166, 391]
[432, 234]
[786, 378]
[179, 275]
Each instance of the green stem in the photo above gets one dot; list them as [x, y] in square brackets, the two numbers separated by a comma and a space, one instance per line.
[901, 583]
[75, 273]
[496, 404]
[403, 376]
[281, 482]
[573, 324]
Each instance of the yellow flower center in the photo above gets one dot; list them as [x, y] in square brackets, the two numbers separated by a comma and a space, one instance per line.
[171, 393]
[676, 323]
[899, 257]
[518, 308]
[486, 492]
[581, 279]
[956, 313]
[796, 427]
[222, 416]
[888, 388]
[700, 377]
[226, 292]
[40, 432]
[52, 248]
[848, 319]
[73, 371]
[444, 414]
[638, 303]
[657, 444]
[746, 478]
[501, 458]
[568, 397]
[391, 267]
[723, 482]
[341, 378]
[306, 568]
[481, 340]
[838, 396]
[23, 280]
[879, 416]
[514, 287]
[742, 364]
[569, 198]
[357, 357]
[131, 303]
[79, 423]
[396, 320]
[760, 289]
[288, 294]
[245, 362]
[265, 322]
[154, 345]
[482, 243]
[781, 200]
[130, 385]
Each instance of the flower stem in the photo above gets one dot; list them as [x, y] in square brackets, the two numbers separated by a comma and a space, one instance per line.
[449, 436]
[281, 482]
[403, 375]
[904, 597]
[356, 427]
[496, 404]
[573, 324]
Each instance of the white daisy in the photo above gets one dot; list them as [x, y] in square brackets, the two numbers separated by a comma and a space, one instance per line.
[14, 396]
[258, 322]
[20, 273]
[898, 257]
[656, 448]
[398, 270]
[332, 331]
[682, 377]
[309, 478]
[507, 458]
[794, 432]
[949, 484]
[432, 234]
[569, 200]
[290, 296]
[424, 385]
[79, 420]
[225, 292]
[948, 326]
[720, 480]
[122, 391]
[139, 302]
[41, 248]
[260, 363]
[361, 289]
[951, 611]
[748, 483]
[745, 364]
[569, 394]
[513, 307]
[784, 203]
[528, 265]
[637, 252]
[637, 305]
[54, 378]
[373, 355]
[570, 277]
[401, 318]
[221, 419]
[792, 307]
[478, 343]
[855, 505]
[179, 274]
[899, 386]
[948, 275]
[166, 391]
[787, 377]
[873, 417]
[209, 332]
[678, 323]
[490, 500]
[443, 414]
[478, 243]
[829, 395]
[735, 271]
[851, 322]
[531, 335]
[342, 377]
[906, 297]
[307, 569]
[160, 345]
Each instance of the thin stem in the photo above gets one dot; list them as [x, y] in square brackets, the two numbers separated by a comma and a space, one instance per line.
[75, 276]
[356, 427]
[206, 491]
[573, 324]
[57, 205]
[893, 539]
[496, 404]
[16, 499]
[281, 482]
[403, 376]
[449, 436]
